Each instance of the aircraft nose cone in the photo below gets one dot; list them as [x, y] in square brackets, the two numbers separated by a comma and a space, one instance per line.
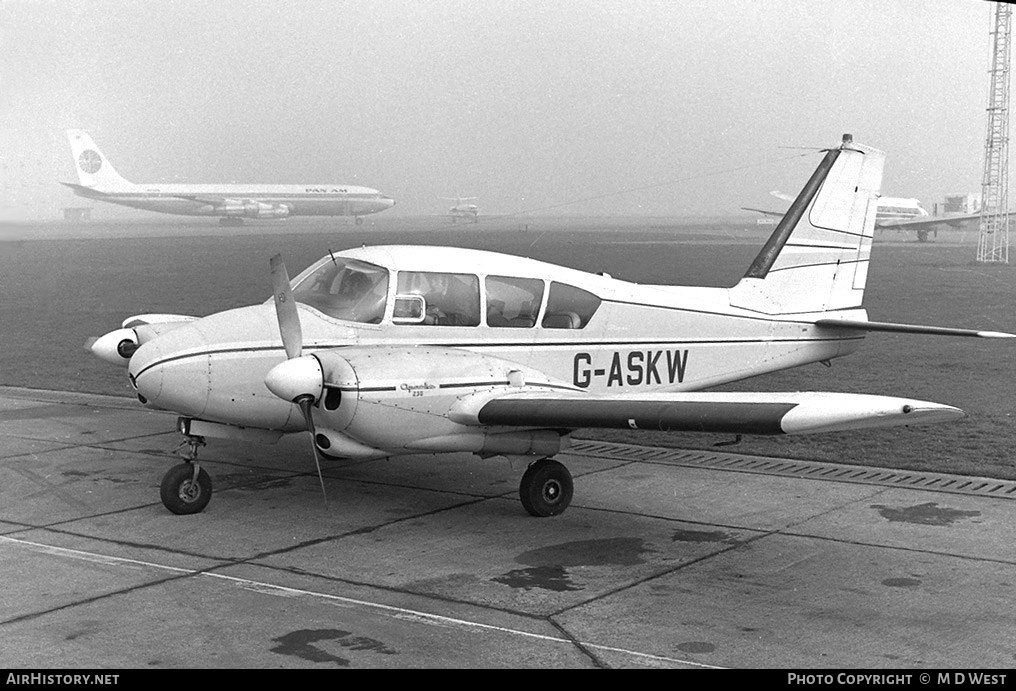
[171, 372]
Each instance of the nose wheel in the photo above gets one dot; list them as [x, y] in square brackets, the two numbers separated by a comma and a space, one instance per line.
[546, 488]
[186, 488]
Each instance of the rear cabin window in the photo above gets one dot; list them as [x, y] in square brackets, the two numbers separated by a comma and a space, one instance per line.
[452, 299]
[569, 307]
[513, 302]
[346, 289]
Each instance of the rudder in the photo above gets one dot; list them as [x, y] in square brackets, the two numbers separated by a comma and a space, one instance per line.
[817, 258]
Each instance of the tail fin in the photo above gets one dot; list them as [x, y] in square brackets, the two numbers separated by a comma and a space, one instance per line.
[817, 258]
[94, 169]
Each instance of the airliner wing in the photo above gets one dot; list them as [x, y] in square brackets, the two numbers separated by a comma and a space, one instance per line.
[83, 191]
[718, 412]
[929, 221]
[765, 212]
[211, 199]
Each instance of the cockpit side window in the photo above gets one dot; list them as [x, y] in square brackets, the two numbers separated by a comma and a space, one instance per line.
[569, 307]
[452, 299]
[347, 289]
[513, 302]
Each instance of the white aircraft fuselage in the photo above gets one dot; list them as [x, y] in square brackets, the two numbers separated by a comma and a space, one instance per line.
[97, 179]
[249, 201]
[640, 339]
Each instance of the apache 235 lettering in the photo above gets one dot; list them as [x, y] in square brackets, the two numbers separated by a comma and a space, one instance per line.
[634, 368]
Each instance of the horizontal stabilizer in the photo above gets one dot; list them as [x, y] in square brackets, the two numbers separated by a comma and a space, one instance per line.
[929, 222]
[910, 328]
[718, 412]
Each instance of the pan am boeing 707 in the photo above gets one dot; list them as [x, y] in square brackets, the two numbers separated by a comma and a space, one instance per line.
[379, 351]
[97, 179]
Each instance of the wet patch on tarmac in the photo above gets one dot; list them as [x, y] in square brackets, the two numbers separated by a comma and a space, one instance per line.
[89, 626]
[94, 475]
[704, 536]
[303, 644]
[548, 566]
[617, 551]
[929, 513]
[553, 578]
[901, 582]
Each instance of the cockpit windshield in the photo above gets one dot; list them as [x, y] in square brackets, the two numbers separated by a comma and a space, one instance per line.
[346, 289]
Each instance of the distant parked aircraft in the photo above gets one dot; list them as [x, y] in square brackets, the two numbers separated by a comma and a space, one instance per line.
[97, 179]
[899, 213]
[463, 210]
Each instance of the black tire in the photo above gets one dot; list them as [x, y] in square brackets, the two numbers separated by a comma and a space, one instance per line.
[546, 488]
[180, 494]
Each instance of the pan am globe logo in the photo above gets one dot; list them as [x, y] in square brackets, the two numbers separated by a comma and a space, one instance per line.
[90, 161]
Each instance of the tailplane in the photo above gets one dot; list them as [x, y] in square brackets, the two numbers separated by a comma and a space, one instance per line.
[94, 170]
[817, 258]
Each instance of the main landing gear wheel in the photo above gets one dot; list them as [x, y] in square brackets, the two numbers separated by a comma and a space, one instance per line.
[546, 488]
[186, 488]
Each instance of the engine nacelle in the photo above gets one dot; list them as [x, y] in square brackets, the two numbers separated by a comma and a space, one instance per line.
[272, 211]
[409, 399]
[118, 346]
[252, 209]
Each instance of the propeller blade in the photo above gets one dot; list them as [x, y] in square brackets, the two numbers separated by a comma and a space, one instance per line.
[305, 403]
[285, 309]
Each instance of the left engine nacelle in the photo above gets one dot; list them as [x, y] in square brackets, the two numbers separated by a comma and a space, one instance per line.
[117, 347]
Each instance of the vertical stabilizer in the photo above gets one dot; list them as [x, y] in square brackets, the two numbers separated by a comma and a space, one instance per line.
[94, 169]
[817, 258]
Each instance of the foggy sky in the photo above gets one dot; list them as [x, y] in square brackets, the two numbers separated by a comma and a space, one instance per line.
[572, 107]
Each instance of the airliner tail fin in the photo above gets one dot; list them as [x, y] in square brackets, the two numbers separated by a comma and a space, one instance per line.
[94, 169]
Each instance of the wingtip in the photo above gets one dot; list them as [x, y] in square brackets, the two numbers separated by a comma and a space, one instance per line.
[995, 334]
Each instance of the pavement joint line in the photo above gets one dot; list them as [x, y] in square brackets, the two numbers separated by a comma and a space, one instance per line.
[286, 591]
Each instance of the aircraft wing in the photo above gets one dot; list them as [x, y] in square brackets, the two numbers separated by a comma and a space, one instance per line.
[929, 221]
[863, 325]
[765, 212]
[718, 412]
[83, 191]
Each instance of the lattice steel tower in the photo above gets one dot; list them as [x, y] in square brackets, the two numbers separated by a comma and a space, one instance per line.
[993, 241]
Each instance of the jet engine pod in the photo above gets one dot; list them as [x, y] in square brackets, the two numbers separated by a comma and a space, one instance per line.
[272, 211]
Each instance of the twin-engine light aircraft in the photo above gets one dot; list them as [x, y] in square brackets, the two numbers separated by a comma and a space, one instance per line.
[380, 351]
[231, 202]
